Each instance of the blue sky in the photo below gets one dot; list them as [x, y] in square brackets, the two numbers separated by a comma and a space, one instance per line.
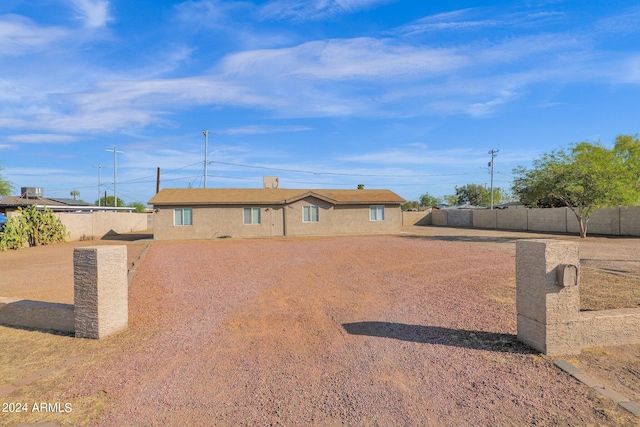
[398, 94]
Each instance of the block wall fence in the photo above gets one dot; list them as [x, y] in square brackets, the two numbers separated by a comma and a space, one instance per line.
[100, 298]
[99, 224]
[548, 303]
[621, 221]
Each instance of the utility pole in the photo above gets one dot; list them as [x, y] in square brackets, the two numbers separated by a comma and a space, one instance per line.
[206, 148]
[493, 153]
[99, 182]
[115, 181]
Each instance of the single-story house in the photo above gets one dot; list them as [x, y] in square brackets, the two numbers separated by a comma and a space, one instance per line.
[205, 213]
[34, 196]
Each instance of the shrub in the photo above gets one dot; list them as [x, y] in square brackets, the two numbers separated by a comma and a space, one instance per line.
[32, 227]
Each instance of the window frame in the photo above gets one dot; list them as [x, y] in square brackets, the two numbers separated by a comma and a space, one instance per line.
[376, 213]
[251, 216]
[182, 217]
[310, 209]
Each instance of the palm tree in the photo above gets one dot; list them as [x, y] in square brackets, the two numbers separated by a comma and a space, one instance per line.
[75, 193]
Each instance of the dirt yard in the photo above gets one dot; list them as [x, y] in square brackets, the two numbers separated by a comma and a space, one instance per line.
[416, 329]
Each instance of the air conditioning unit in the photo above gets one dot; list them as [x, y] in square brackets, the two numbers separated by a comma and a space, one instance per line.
[31, 192]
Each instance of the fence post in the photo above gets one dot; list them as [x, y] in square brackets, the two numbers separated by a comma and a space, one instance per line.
[547, 295]
[101, 290]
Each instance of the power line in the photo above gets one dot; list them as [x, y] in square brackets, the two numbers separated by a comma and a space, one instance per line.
[338, 174]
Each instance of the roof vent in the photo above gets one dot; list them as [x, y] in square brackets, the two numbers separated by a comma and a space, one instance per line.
[270, 181]
[31, 192]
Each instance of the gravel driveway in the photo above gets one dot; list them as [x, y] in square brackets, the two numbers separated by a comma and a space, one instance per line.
[370, 330]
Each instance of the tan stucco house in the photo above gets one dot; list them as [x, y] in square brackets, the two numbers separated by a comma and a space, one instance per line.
[205, 213]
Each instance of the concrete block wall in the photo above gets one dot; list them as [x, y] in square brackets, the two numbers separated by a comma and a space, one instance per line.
[100, 290]
[416, 218]
[484, 218]
[630, 221]
[548, 303]
[37, 314]
[98, 224]
[512, 219]
[610, 327]
[622, 221]
[100, 298]
[439, 218]
[549, 220]
[548, 311]
[460, 217]
[603, 221]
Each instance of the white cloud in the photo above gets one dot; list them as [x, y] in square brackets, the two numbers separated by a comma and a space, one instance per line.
[358, 58]
[42, 138]
[303, 10]
[458, 20]
[211, 13]
[94, 13]
[262, 130]
[19, 35]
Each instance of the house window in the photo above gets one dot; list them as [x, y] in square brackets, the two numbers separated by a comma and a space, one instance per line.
[251, 215]
[310, 214]
[376, 213]
[182, 216]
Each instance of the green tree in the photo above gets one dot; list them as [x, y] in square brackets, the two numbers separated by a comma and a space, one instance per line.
[477, 195]
[428, 200]
[583, 178]
[110, 201]
[5, 186]
[450, 199]
[627, 150]
[139, 206]
[75, 193]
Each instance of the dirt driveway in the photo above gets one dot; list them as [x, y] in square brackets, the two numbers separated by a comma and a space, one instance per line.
[415, 329]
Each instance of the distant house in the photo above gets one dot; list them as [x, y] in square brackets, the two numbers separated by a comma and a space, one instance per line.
[34, 196]
[511, 205]
[205, 213]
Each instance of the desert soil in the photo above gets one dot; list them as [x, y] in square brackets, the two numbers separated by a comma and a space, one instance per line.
[416, 329]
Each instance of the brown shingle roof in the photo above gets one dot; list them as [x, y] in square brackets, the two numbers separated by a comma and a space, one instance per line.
[245, 196]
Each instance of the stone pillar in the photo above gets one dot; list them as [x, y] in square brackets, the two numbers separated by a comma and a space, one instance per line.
[547, 295]
[101, 290]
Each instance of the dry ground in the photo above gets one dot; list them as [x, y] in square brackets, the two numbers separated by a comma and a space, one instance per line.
[415, 329]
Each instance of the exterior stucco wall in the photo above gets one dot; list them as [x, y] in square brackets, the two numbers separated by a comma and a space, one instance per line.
[227, 220]
[355, 220]
[340, 219]
[294, 225]
[211, 222]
